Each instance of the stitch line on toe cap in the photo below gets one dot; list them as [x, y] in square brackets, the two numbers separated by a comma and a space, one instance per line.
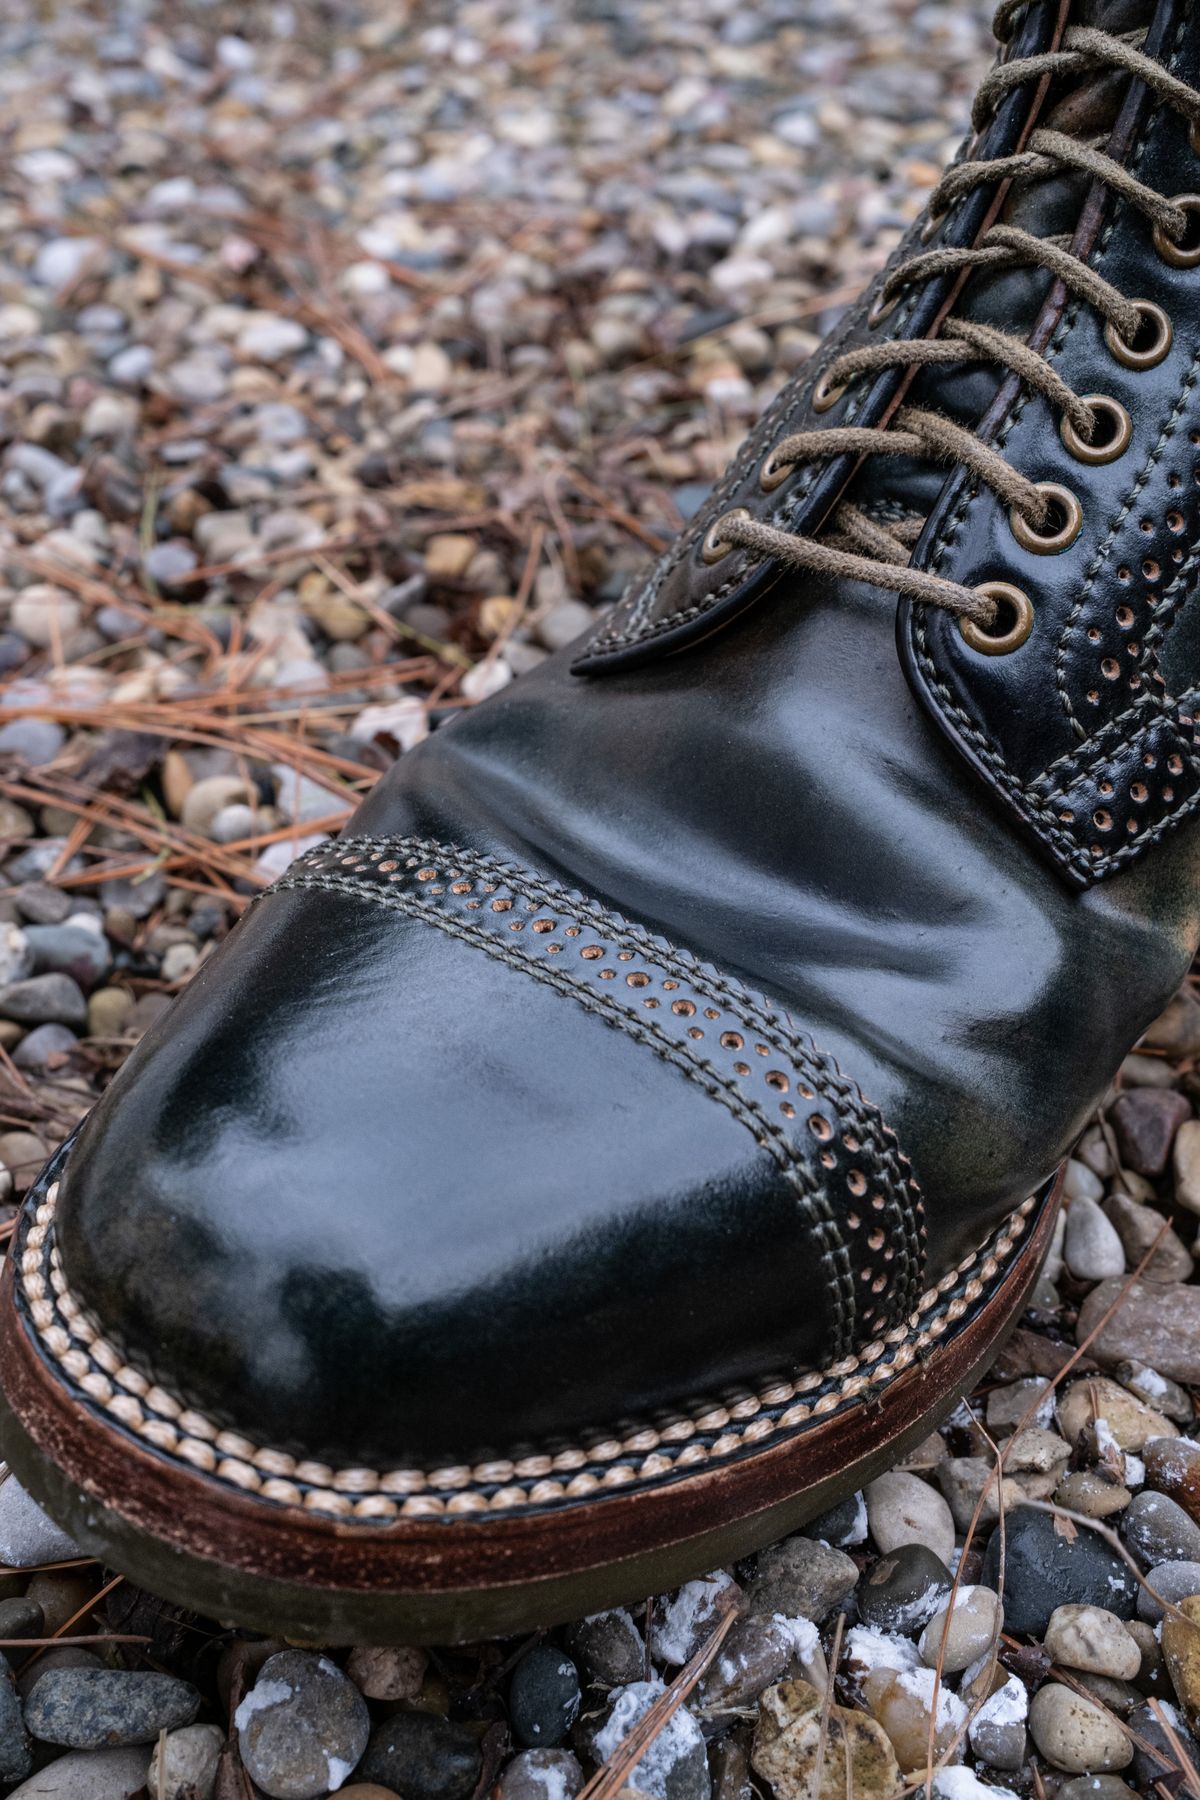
[710, 1433]
[366, 858]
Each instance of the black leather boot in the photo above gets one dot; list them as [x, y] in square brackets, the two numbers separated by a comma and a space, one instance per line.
[750, 970]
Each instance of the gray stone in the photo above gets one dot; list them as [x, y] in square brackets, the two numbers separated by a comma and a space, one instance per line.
[20, 1618]
[801, 1579]
[422, 1757]
[75, 950]
[184, 1763]
[95, 1709]
[1157, 1530]
[1156, 1390]
[16, 1747]
[543, 1697]
[997, 1731]
[564, 623]
[962, 1631]
[1156, 1322]
[44, 1000]
[902, 1590]
[1092, 1249]
[16, 956]
[1172, 1582]
[903, 1509]
[1046, 1567]
[89, 1775]
[302, 1728]
[33, 741]
[41, 1049]
[1145, 1121]
[542, 1775]
[608, 1647]
[28, 1537]
[1138, 1227]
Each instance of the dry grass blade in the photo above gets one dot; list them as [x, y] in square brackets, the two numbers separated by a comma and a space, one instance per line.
[818, 1769]
[1191, 1779]
[608, 1780]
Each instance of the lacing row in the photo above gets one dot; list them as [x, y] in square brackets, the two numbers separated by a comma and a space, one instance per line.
[1095, 427]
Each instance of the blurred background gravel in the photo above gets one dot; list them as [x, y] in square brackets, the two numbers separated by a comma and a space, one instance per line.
[351, 356]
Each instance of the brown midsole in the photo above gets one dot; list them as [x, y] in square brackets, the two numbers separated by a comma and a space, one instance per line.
[198, 1540]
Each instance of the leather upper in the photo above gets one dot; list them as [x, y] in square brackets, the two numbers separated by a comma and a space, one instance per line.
[430, 1161]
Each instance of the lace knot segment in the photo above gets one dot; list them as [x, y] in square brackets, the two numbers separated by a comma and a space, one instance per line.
[1094, 427]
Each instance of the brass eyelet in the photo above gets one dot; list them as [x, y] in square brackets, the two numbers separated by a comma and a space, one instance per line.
[713, 546]
[881, 309]
[824, 396]
[1181, 256]
[772, 474]
[1014, 611]
[1148, 355]
[1110, 413]
[1058, 535]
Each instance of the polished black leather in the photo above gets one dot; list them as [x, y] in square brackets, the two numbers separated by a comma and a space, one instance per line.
[657, 1029]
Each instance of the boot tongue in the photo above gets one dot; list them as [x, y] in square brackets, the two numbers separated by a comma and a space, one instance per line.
[1085, 107]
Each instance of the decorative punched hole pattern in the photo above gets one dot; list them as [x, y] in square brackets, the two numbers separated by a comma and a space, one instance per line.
[639, 1453]
[730, 1056]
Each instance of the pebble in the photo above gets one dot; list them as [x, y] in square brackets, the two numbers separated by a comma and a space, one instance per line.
[183, 1765]
[801, 1579]
[1080, 1182]
[44, 1000]
[963, 1631]
[16, 956]
[608, 1647]
[21, 1617]
[1181, 1652]
[93, 1709]
[1075, 1734]
[28, 1536]
[16, 1745]
[754, 1654]
[543, 1697]
[904, 1701]
[1145, 1121]
[859, 1759]
[1156, 1390]
[1138, 1227]
[44, 1047]
[423, 1758]
[965, 1479]
[679, 1627]
[1185, 1158]
[1092, 1247]
[267, 337]
[33, 741]
[1094, 1639]
[387, 1673]
[542, 1775]
[302, 1728]
[675, 1767]
[1096, 1787]
[997, 1731]
[843, 1525]
[1155, 1758]
[1171, 1582]
[902, 1590]
[45, 615]
[89, 1775]
[903, 1509]
[74, 950]
[1157, 1530]
[1166, 1335]
[1131, 1422]
[1049, 1563]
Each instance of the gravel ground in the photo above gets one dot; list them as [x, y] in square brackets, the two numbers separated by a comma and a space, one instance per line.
[350, 360]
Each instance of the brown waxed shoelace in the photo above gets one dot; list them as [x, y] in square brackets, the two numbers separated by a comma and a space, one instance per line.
[856, 547]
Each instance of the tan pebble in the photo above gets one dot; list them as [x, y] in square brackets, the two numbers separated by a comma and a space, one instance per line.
[448, 555]
[902, 1702]
[1092, 1638]
[177, 782]
[1087, 1492]
[963, 1630]
[1181, 1653]
[210, 796]
[1185, 1160]
[1131, 1422]
[858, 1759]
[1077, 1735]
[387, 1673]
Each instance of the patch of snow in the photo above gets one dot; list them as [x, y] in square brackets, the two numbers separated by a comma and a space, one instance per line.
[921, 1683]
[1135, 1471]
[960, 1783]
[872, 1649]
[675, 1631]
[801, 1634]
[1009, 1705]
[552, 1781]
[262, 1695]
[1150, 1382]
[339, 1769]
[680, 1737]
